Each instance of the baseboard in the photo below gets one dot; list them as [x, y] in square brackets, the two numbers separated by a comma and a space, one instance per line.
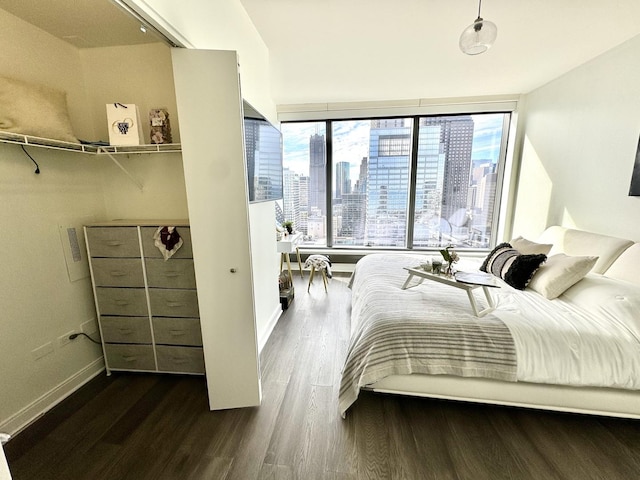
[46, 402]
[264, 335]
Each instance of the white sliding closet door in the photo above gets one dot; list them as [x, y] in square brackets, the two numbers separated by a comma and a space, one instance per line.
[211, 126]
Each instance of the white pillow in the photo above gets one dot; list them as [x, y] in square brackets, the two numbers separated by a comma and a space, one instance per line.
[559, 273]
[527, 247]
[627, 265]
[35, 110]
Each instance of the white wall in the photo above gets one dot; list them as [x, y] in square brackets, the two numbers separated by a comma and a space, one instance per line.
[142, 75]
[39, 301]
[267, 262]
[579, 146]
[40, 58]
[139, 74]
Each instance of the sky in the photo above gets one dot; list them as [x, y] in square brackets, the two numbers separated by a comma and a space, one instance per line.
[351, 141]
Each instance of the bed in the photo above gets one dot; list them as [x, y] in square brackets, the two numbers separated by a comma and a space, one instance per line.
[577, 350]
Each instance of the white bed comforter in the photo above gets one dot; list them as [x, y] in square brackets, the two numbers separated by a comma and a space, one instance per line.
[589, 336]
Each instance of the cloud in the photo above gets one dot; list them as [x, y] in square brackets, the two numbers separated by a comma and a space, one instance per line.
[350, 140]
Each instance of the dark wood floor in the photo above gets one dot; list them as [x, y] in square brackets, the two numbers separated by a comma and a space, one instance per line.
[138, 427]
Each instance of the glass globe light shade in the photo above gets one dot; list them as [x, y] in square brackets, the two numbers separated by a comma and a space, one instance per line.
[478, 37]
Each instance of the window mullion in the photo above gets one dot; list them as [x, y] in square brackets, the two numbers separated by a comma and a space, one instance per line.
[329, 182]
[412, 182]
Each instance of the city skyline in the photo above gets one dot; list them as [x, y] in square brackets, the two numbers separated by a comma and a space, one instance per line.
[486, 145]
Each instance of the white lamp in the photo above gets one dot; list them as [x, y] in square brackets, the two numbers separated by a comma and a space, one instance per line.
[479, 36]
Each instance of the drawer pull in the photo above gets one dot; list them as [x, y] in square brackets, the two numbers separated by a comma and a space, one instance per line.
[179, 359]
[115, 243]
[175, 304]
[129, 358]
[121, 303]
[177, 333]
[172, 274]
[118, 273]
[125, 331]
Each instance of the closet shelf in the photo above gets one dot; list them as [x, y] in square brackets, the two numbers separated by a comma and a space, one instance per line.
[28, 140]
[108, 150]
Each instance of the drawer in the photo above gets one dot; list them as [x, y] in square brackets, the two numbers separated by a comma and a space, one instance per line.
[174, 273]
[122, 301]
[125, 329]
[173, 303]
[150, 250]
[113, 241]
[180, 359]
[129, 357]
[117, 272]
[177, 331]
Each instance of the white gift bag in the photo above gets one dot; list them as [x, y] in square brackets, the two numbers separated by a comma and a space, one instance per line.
[124, 124]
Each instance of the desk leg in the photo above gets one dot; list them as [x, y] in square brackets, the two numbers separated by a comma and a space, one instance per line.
[289, 266]
[299, 262]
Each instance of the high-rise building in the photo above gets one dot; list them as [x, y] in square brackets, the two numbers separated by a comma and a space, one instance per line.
[303, 201]
[388, 182]
[456, 142]
[343, 179]
[353, 211]
[291, 199]
[317, 174]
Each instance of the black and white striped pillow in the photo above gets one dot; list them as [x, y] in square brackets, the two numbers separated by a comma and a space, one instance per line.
[507, 263]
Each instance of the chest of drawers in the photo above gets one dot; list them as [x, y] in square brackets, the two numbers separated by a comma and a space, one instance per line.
[147, 306]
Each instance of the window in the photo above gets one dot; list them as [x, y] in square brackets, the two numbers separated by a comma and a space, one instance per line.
[410, 182]
[305, 179]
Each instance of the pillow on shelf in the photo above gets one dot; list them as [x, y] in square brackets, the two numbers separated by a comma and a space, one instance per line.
[559, 273]
[36, 110]
[515, 268]
[527, 247]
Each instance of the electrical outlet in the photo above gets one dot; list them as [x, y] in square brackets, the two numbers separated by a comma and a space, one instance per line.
[42, 350]
[64, 339]
[89, 327]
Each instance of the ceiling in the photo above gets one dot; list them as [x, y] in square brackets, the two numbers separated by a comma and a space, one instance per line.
[367, 50]
[82, 23]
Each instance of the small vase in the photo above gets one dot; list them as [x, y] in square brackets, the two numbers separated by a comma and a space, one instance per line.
[448, 269]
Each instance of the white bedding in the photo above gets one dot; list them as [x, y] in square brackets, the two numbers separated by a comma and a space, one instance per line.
[589, 336]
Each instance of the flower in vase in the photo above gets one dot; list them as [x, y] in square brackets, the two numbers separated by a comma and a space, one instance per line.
[450, 256]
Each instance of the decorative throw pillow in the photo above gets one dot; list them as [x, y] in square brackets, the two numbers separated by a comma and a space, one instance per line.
[507, 263]
[527, 247]
[559, 273]
[34, 110]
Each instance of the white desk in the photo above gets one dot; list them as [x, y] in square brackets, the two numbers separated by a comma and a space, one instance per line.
[287, 245]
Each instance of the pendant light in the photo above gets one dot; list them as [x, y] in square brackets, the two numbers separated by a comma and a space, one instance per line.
[479, 36]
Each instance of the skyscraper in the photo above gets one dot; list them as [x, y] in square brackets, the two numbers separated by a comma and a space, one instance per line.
[456, 141]
[317, 173]
[388, 181]
[343, 179]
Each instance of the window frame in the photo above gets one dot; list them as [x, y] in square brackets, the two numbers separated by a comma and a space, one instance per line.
[503, 105]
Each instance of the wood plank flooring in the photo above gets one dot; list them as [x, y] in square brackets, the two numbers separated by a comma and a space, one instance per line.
[138, 426]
